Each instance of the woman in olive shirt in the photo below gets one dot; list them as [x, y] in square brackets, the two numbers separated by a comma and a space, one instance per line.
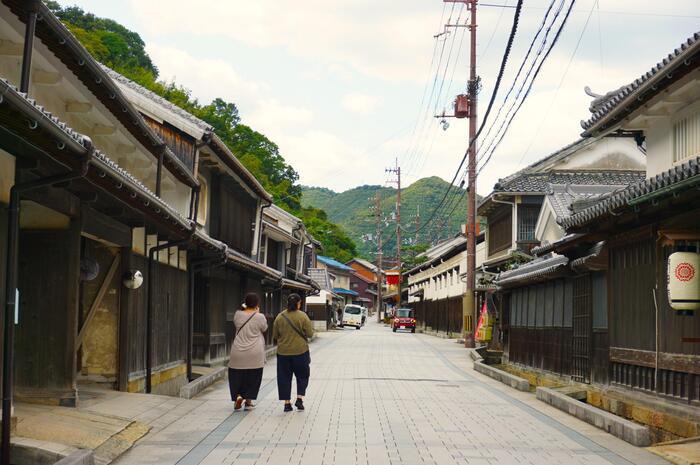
[292, 329]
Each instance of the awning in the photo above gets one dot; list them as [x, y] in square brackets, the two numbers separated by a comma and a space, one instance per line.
[291, 284]
[532, 271]
[341, 291]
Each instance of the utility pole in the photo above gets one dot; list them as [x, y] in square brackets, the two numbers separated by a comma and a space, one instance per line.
[465, 106]
[397, 171]
[380, 272]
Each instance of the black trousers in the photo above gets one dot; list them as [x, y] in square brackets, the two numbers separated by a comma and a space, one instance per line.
[297, 365]
[244, 383]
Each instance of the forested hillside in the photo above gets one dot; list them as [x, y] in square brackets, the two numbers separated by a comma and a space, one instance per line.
[352, 210]
[124, 51]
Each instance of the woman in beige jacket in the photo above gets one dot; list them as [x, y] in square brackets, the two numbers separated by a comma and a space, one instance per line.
[245, 367]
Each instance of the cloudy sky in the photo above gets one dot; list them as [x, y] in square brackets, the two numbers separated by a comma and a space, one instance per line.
[345, 87]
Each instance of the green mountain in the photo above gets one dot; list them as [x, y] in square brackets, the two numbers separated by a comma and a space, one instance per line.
[353, 211]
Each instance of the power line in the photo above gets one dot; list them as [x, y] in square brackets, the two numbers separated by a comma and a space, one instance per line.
[504, 61]
[609, 12]
[522, 65]
[561, 81]
[537, 72]
[410, 151]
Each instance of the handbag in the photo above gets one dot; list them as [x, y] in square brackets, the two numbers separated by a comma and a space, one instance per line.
[297, 330]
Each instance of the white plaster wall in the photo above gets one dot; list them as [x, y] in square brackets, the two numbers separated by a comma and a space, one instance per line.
[609, 153]
[659, 147]
[177, 195]
[446, 286]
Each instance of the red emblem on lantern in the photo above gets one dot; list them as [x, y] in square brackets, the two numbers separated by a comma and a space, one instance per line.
[684, 272]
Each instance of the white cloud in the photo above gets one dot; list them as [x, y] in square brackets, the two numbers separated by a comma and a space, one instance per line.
[327, 160]
[207, 78]
[358, 102]
[382, 44]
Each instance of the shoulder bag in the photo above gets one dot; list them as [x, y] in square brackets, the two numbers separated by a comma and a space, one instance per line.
[297, 330]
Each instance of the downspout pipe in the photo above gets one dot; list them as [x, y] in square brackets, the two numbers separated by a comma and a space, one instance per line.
[27, 51]
[260, 228]
[151, 289]
[11, 290]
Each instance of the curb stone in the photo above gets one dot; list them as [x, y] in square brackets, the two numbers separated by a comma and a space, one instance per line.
[624, 429]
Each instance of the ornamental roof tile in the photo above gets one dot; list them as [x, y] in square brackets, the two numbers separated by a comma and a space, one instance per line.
[605, 105]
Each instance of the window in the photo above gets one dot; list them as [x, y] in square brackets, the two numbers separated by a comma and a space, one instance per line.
[527, 219]
[686, 137]
[500, 232]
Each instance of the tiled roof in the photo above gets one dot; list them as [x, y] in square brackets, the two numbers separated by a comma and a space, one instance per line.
[538, 268]
[538, 182]
[608, 104]
[138, 88]
[562, 197]
[547, 247]
[105, 166]
[320, 275]
[99, 156]
[684, 175]
[364, 263]
[333, 263]
[342, 291]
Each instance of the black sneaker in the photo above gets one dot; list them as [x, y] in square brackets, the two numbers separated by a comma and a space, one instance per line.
[288, 407]
[299, 404]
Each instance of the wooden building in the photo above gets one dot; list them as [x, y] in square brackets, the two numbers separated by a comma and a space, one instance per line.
[118, 187]
[594, 306]
[77, 320]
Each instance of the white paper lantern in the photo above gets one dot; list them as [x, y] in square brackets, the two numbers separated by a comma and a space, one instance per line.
[684, 280]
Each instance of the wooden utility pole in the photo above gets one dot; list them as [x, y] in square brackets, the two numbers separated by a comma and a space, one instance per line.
[380, 272]
[397, 171]
[468, 307]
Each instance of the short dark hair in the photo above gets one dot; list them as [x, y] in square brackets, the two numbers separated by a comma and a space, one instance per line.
[292, 301]
[251, 300]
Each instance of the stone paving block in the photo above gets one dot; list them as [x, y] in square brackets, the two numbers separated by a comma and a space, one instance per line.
[400, 399]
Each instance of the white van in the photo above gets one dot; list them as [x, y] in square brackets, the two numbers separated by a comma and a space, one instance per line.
[352, 316]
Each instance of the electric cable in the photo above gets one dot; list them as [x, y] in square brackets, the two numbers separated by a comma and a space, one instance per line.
[539, 68]
[506, 54]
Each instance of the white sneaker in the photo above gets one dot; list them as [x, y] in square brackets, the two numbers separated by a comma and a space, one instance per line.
[248, 406]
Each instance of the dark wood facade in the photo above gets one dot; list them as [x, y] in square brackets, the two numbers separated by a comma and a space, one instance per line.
[500, 230]
[232, 214]
[442, 315]
[638, 277]
[559, 326]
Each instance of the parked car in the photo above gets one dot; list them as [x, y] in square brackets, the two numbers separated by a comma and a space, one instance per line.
[352, 316]
[403, 319]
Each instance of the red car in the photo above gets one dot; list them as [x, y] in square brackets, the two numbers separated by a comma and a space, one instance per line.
[403, 319]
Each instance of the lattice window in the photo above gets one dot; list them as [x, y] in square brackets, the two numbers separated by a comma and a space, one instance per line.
[686, 137]
[527, 219]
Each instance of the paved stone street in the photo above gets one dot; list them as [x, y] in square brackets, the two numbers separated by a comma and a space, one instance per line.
[382, 398]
